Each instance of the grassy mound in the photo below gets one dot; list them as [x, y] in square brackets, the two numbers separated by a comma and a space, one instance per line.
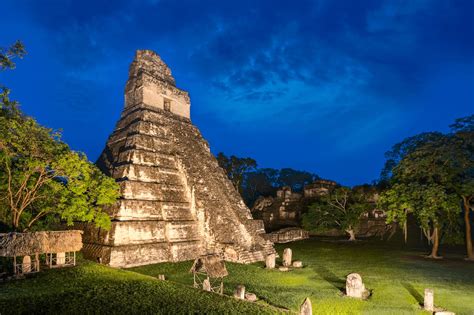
[396, 277]
[92, 288]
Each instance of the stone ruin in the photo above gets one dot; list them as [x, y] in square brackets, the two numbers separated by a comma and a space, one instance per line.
[318, 188]
[306, 308]
[282, 213]
[177, 203]
[283, 210]
[355, 287]
[287, 256]
[287, 235]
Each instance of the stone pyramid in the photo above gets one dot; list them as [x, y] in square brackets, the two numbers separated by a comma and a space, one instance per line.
[177, 203]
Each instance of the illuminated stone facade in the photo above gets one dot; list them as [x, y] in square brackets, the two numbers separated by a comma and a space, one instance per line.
[177, 203]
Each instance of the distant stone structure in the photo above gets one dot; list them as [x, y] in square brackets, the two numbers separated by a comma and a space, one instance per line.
[282, 213]
[318, 188]
[177, 203]
[287, 235]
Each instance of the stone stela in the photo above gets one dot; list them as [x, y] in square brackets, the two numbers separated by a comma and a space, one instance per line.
[287, 257]
[355, 287]
[176, 202]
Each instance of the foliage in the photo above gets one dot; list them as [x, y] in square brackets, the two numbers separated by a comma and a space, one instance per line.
[235, 168]
[41, 179]
[7, 55]
[17, 50]
[429, 175]
[339, 209]
[402, 149]
[253, 182]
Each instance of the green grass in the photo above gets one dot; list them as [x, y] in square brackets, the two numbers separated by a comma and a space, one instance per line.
[94, 289]
[397, 278]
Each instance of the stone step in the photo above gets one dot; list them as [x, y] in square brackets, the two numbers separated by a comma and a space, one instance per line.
[141, 127]
[188, 250]
[133, 209]
[148, 143]
[178, 213]
[149, 158]
[152, 191]
[182, 231]
[144, 113]
[138, 113]
[145, 173]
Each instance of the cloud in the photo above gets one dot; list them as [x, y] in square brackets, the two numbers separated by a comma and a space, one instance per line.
[346, 74]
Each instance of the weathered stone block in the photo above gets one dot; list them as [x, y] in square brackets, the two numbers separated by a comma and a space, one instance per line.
[206, 285]
[428, 303]
[287, 257]
[270, 261]
[355, 287]
[60, 259]
[26, 264]
[297, 264]
[239, 292]
[306, 308]
[251, 297]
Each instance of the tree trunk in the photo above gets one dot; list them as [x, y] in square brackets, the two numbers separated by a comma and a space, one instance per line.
[351, 233]
[435, 246]
[467, 221]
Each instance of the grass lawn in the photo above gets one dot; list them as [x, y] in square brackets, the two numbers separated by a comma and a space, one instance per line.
[396, 277]
[95, 289]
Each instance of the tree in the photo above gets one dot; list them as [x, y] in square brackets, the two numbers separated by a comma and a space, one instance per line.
[461, 164]
[341, 209]
[422, 183]
[17, 50]
[260, 182]
[433, 207]
[235, 168]
[402, 149]
[295, 179]
[41, 179]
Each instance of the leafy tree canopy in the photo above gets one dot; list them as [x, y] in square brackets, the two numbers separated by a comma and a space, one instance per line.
[340, 209]
[429, 176]
[41, 179]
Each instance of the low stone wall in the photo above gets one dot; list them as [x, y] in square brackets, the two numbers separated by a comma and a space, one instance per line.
[287, 235]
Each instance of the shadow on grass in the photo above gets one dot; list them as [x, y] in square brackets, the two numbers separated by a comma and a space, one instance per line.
[330, 277]
[418, 297]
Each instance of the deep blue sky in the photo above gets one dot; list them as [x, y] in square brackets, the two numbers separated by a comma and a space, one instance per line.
[325, 86]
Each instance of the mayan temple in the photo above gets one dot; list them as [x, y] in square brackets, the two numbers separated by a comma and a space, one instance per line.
[176, 203]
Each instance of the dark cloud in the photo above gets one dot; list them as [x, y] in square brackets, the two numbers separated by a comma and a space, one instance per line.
[346, 73]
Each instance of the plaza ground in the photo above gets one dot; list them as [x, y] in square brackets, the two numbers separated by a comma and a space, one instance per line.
[396, 276]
